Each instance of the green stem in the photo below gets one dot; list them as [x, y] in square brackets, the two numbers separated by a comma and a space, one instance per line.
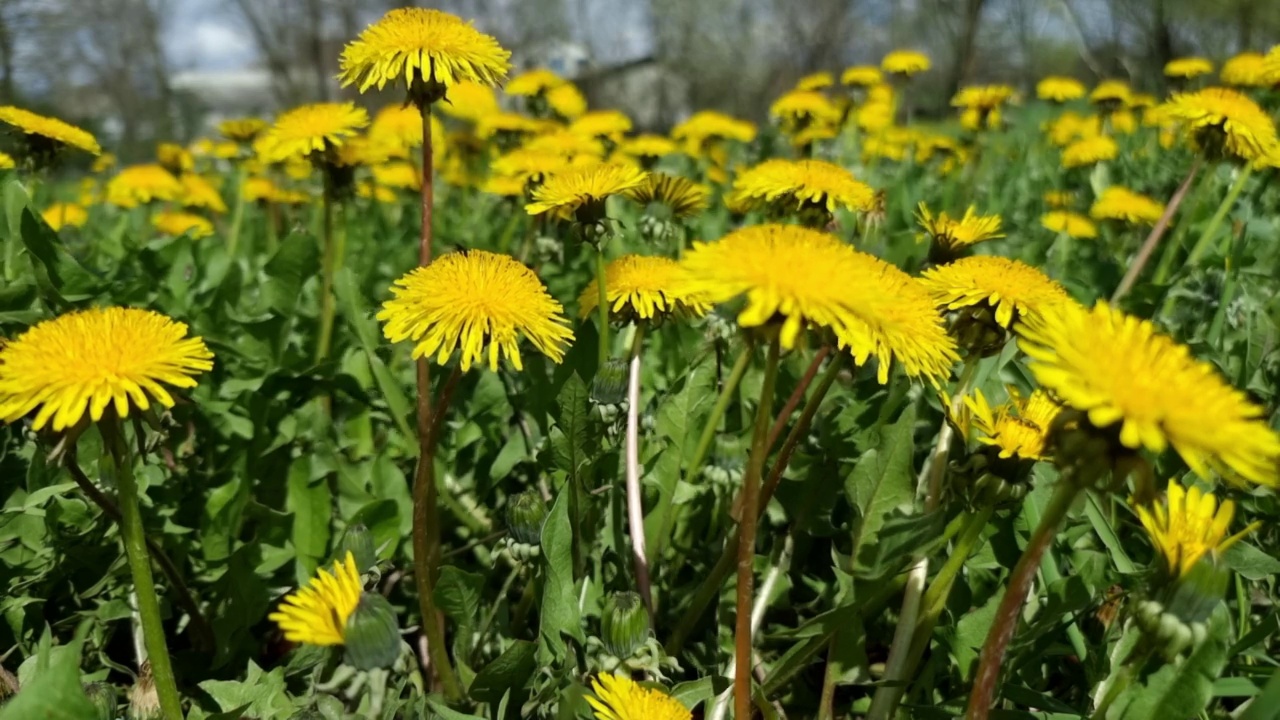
[237, 214]
[1006, 618]
[743, 634]
[602, 298]
[327, 271]
[1157, 231]
[135, 548]
[1228, 202]
[1123, 679]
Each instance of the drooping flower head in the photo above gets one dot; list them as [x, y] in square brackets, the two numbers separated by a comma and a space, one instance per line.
[787, 187]
[430, 50]
[640, 287]
[242, 130]
[1120, 371]
[905, 63]
[1225, 122]
[1187, 526]
[1074, 225]
[1188, 67]
[1089, 151]
[1009, 288]
[140, 184]
[472, 301]
[317, 614]
[952, 236]
[85, 360]
[45, 136]
[1124, 205]
[620, 698]
[60, 215]
[1246, 70]
[580, 193]
[181, 223]
[804, 278]
[1056, 88]
[310, 129]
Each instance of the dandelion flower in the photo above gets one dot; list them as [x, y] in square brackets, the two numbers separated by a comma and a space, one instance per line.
[242, 130]
[1056, 88]
[1089, 151]
[801, 183]
[710, 125]
[1248, 69]
[805, 105]
[103, 162]
[140, 184]
[566, 100]
[534, 82]
[89, 359]
[621, 698]
[1111, 92]
[370, 190]
[647, 146]
[529, 165]
[60, 215]
[401, 175]
[1120, 370]
[983, 97]
[815, 81]
[174, 158]
[398, 127]
[956, 234]
[1011, 288]
[1059, 198]
[905, 62]
[1018, 429]
[1226, 121]
[1188, 67]
[46, 133]
[602, 124]
[683, 197]
[861, 76]
[641, 287]
[200, 193]
[1071, 126]
[1123, 204]
[1188, 525]
[6, 161]
[504, 185]
[467, 300]
[259, 189]
[317, 614]
[180, 223]
[803, 278]
[1074, 225]
[421, 44]
[310, 129]
[565, 193]
[569, 144]
[468, 100]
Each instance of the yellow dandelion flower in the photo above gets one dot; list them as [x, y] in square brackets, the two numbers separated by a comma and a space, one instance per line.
[808, 278]
[795, 184]
[317, 614]
[508, 123]
[1120, 370]
[504, 185]
[468, 100]
[258, 189]
[813, 133]
[1059, 89]
[566, 100]
[1071, 126]
[602, 124]
[401, 175]
[1059, 198]
[808, 105]
[621, 698]
[875, 117]
[103, 162]
[180, 223]
[1123, 204]
[566, 143]
[226, 150]
[529, 165]
[1074, 225]
[398, 127]
[1089, 151]
[1189, 525]
[1227, 121]
[467, 300]
[60, 215]
[200, 193]
[6, 161]
[419, 43]
[1188, 67]
[174, 158]
[905, 62]
[140, 184]
[370, 190]
[89, 359]
[46, 133]
[815, 81]
[681, 196]
[1123, 122]
[242, 130]
[1019, 428]
[983, 97]
[1115, 92]
[563, 193]
[954, 234]
[1248, 69]
[1011, 288]
[647, 146]
[861, 76]
[534, 82]
[710, 125]
[641, 287]
[309, 129]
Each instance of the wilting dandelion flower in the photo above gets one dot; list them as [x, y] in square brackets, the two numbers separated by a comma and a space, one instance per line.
[620, 698]
[1189, 525]
[89, 359]
[1074, 225]
[140, 184]
[1122, 204]
[470, 300]
[1188, 67]
[1056, 88]
[905, 62]
[311, 129]
[1089, 151]
[1119, 370]
[1012, 289]
[580, 192]
[60, 215]
[180, 223]
[45, 134]
[644, 288]
[1225, 122]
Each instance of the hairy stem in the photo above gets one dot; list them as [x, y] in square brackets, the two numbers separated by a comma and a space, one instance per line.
[1157, 232]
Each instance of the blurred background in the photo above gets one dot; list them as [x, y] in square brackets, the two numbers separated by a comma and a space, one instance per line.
[138, 71]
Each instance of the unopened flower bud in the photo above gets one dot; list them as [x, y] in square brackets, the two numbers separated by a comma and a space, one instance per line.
[609, 386]
[624, 624]
[372, 635]
[359, 542]
[103, 698]
[526, 512]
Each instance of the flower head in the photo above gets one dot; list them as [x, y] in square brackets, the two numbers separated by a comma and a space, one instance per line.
[861, 76]
[181, 223]
[1072, 224]
[200, 193]
[529, 165]
[905, 62]
[710, 125]
[682, 196]
[396, 128]
[602, 124]
[794, 184]
[140, 184]
[419, 44]
[620, 698]
[1089, 151]
[566, 100]
[242, 130]
[801, 277]
[89, 359]
[571, 145]
[642, 287]
[311, 129]
[1248, 69]
[564, 193]
[1011, 288]
[401, 175]
[47, 132]
[317, 614]
[468, 100]
[806, 105]
[1188, 67]
[1114, 93]
[174, 158]
[534, 82]
[647, 146]
[1226, 121]
[1188, 525]
[1017, 429]
[1120, 371]
[815, 81]
[983, 97]
[1056, 88]
[956, 234]
[1121, 203]
[7, 162]
[60, 215]
[467, 300]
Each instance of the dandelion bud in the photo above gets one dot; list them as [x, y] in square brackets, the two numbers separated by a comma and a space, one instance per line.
[103, 698]
[609, 386]
[525, 514]
[372, 636]
[624, 624]
[359, 542]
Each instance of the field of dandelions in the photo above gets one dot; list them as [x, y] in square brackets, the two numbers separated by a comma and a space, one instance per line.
[849, 413]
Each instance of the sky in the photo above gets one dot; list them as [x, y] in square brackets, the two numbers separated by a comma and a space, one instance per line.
[211, 38]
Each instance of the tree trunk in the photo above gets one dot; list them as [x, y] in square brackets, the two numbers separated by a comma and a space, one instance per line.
[966, 41]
